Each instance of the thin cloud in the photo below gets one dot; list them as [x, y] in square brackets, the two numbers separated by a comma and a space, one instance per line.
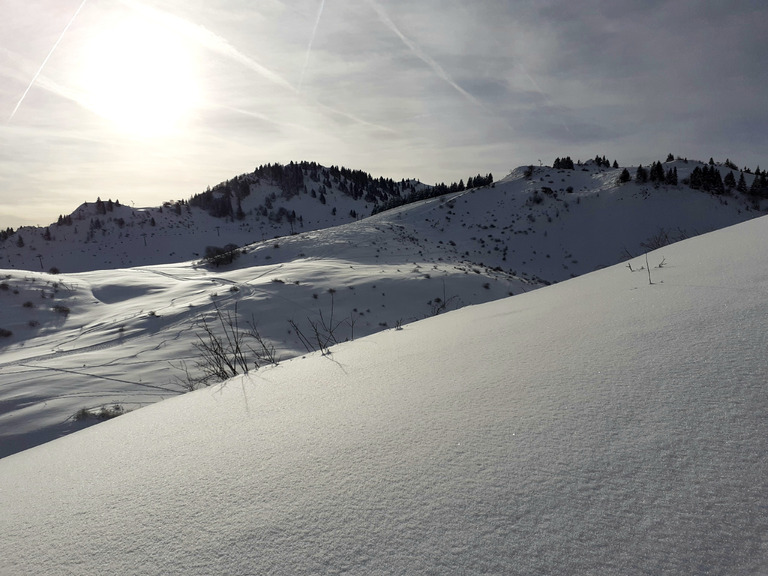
[311, 41]
[45, 61]
[419, 53]
[543, 94]
[352, 117]
[209, 40]
[40, 81]
[215, 43]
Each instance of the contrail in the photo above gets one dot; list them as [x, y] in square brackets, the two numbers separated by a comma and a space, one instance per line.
[216, 43]
[39, 70]
[311, 41]
[543, 94]
[352, 117]
[208, 39]
[419, 53]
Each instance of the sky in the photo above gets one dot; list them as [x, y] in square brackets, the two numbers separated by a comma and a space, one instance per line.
[153, 100]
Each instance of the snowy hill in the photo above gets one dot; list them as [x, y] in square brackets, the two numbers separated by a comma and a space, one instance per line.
[74, 346]
[273, 201]
[534, 225]
[603, 425]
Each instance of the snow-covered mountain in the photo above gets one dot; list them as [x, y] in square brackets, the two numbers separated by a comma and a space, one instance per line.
[531, 223]
[103, 338]
[272, 201]
[611, 424]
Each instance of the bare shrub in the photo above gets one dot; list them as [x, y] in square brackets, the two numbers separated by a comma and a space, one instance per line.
[225, 350]
[323, 331]
[438, 305]
[221, 256]
[663, 238]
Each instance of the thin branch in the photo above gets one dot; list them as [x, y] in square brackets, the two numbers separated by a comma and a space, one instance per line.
[647, 267]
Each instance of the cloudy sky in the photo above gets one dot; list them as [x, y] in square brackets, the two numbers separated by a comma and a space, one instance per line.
[152, 100]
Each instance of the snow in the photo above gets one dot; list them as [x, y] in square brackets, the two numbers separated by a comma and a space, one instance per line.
[603, 425]
[130, 331]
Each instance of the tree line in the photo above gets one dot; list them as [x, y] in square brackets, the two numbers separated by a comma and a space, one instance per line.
[433, 192]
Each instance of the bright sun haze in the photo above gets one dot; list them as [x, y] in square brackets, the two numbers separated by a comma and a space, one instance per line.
[141, 77]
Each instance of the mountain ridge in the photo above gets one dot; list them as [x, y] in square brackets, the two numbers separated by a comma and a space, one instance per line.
[110, 235]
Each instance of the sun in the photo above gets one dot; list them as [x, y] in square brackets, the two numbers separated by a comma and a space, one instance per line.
[141, 77]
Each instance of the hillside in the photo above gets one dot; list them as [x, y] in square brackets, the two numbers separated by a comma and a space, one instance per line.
[272, 201]
[501, 229]
[603, 425]
[77, 345]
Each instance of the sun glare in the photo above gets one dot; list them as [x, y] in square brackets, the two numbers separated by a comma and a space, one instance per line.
[142, 78]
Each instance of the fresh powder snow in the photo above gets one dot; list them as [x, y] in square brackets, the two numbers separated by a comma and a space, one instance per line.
[611, 424]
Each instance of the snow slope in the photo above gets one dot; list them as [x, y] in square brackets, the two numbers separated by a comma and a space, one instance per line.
[599, 426]
[109, 336]
[128, 335]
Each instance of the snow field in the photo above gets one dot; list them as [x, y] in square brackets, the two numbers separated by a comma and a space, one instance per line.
[129, 332]
[600, 426]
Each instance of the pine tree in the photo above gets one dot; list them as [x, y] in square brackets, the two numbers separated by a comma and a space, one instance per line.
[759, 185]
[741, 186]
[641, 176]
[717, 182]
[657, 172]
[708, 179]
[697, 179]
[566, 163]
[624, 176]
[528, 172]
[730, 180]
